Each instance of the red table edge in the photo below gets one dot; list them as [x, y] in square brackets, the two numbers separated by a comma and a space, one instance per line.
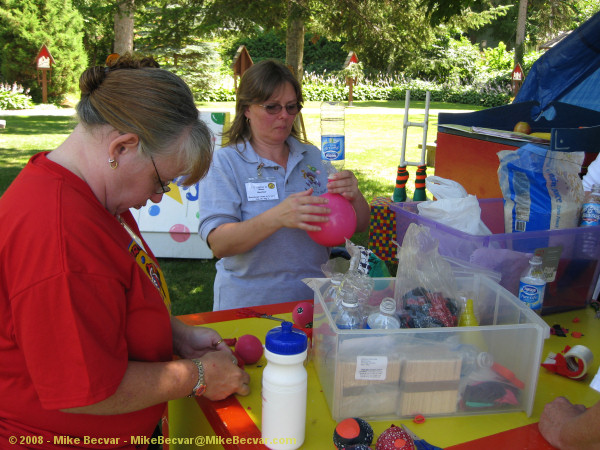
[227, 417]
[236, 314]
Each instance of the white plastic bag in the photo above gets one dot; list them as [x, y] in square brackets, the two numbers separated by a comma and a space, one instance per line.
[453, 207]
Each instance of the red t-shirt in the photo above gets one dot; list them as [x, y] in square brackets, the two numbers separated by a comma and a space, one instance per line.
[75, 307]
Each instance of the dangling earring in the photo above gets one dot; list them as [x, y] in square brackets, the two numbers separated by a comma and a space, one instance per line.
[113, 163]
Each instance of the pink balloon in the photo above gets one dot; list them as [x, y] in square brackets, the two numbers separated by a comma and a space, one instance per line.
[341, 224]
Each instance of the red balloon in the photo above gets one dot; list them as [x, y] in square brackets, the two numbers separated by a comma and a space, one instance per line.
[341, 224]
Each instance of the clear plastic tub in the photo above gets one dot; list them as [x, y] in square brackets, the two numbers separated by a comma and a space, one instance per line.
[387, 374]
[509, 253]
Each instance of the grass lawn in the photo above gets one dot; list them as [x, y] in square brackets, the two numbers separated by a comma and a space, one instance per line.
[373, 149]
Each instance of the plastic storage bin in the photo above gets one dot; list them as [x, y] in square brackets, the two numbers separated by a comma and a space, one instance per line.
[509, 253]
[386, 374]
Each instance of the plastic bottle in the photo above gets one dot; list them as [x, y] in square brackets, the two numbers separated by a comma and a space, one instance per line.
[333, 136]
[590, 211]
[533, 285]
[349, 315]
[385, 318]
[473, 359]
[331, 293]
[284, 383]
[467, 317]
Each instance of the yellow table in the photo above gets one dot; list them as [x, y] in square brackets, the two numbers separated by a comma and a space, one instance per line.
[235, 422]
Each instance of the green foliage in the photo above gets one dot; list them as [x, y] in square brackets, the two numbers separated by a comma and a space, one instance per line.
[320, 54]
[268, 45]
[446, 60]
[330, 88]
[14, 97]
[98, 29]
[25, 25]
[197, 64]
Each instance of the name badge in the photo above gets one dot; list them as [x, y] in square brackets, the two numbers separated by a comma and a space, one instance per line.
[264, 189]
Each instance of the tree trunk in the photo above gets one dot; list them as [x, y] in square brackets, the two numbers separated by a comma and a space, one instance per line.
[124, 27]
[294, 42]
[520, 38]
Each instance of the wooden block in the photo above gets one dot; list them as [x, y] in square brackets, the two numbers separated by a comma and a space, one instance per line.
[429, 386]
[430, 402]
[377, 400]
[350, 377]
[429, 370]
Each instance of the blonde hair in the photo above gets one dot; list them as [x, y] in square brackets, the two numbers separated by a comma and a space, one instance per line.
[133, 95]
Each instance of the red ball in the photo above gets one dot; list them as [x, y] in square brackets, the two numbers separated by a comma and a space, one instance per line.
[341, 224]
[303, 314]
[394, 438]
[249, 348]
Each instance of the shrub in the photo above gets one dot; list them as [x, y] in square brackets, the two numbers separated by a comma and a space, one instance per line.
[14, 97]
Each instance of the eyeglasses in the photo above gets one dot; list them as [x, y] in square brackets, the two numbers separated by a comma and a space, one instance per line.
[275, 108]
[164, 187]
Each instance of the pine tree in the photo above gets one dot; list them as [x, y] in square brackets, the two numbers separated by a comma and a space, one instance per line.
[26, 25]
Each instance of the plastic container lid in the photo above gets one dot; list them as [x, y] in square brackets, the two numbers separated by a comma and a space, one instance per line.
[285, 340]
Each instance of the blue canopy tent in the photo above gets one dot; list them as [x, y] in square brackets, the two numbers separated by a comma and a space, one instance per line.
[567, 73]
[560, 95]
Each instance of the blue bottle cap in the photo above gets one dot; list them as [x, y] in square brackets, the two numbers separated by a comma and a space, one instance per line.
[285, 340]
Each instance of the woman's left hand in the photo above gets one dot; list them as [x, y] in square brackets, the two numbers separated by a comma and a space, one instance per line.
[344, 183]
[193, 342]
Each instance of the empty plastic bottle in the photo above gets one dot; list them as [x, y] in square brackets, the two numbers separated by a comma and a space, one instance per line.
[349, 314]
[385, 318]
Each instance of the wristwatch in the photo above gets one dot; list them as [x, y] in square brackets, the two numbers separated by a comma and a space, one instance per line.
[200, 387]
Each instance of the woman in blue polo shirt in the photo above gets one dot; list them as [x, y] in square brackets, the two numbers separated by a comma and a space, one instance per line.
[262, 191]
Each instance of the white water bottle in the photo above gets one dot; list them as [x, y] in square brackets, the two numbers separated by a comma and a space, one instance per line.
[333, 140]
[284, 384]
[533, 285]
[590, 211]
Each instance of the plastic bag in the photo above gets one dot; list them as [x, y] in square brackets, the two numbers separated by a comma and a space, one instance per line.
[541, 188]
[361, 260]
[453, 207]
[425, 290]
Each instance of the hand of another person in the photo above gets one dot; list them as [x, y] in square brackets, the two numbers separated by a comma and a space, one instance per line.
[344, 183]
[223, 377]
[557, 414]
[303, 207]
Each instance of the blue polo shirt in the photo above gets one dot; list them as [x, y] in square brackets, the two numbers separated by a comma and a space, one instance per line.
[271, 272]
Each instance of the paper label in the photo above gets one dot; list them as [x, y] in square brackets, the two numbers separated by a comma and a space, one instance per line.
[265, 190]
[550, 259]
[372, 368]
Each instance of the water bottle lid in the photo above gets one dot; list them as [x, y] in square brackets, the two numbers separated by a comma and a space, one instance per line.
[285, 340]
[536, 259]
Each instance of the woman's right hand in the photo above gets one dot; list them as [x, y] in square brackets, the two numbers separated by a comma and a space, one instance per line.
[300, 208]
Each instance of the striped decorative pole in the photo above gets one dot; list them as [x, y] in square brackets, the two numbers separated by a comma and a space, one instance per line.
[420, 184]
[400, 189]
